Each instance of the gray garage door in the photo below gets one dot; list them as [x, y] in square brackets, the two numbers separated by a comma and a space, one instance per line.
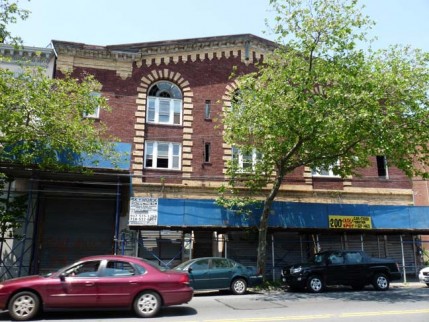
[73, 227]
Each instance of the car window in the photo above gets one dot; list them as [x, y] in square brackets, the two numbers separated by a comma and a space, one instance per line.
[221, 263]
[336, 258]
[200, 265]
[86, 269]
[153, 264]
[119, 269]
[353, 258]
[318, 259]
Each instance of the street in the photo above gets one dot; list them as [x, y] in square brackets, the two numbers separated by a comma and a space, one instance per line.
[402, 302]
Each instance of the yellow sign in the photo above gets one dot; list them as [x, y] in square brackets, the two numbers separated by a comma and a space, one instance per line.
[350, 222]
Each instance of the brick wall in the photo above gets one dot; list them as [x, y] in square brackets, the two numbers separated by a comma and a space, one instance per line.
[202, 75]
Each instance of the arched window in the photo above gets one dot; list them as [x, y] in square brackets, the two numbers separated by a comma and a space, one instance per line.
[164, 104]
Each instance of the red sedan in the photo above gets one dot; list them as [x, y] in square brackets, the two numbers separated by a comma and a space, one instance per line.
[107, 281]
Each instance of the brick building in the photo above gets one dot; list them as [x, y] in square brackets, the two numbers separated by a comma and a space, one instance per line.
[166, 98]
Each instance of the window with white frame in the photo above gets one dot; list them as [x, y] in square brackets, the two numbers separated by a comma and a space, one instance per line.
[162, 155]
[246, 161]
[96, 113]
[164, 104]
[325, 172]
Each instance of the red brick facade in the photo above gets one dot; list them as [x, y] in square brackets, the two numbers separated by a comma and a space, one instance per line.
[202, 69]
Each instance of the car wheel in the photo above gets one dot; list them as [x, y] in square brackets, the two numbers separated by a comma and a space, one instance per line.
[24, 306]
[381, 282]
[239, 286]
[315, 284]
[147, 304]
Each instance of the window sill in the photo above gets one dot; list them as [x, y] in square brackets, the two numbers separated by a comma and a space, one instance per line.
[162, 169]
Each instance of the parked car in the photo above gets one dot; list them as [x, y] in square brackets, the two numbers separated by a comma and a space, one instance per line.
[424, 275]
[354, 268]
[107, 282]
[218, 273]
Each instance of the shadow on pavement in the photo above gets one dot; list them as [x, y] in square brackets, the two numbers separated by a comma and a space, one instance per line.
[396, 294]
[171, 311]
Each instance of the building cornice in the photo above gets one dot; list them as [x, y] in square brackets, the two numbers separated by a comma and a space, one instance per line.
[246, 47]
[26, 56]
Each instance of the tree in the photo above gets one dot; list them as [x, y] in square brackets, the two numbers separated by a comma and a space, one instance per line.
[322, 102]
[42, 123]
[10, 13]
[43, 126]
[43, 120]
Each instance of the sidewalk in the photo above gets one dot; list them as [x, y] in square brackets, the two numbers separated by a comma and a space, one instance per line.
[412, 282]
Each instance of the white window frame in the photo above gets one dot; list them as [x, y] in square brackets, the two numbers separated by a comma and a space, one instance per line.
[325, 173]
[96, 114]
[236, 153]
[153, 107]
[173, 158]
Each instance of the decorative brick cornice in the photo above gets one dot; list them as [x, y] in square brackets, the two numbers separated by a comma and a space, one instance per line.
[248, 48]
[26, 56]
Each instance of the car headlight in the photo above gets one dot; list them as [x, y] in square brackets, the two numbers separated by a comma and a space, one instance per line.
[295, 270]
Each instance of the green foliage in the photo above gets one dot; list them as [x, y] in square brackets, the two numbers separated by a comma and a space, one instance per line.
[320, 99]
[10, 13]
[42, 118]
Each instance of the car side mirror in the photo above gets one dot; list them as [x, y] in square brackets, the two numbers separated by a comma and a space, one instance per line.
[190, 270]
[62, 277]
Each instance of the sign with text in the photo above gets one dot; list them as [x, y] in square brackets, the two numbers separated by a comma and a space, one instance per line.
[350, 222]
[143, 211]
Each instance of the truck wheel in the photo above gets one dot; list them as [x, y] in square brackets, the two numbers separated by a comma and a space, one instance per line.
[24, 306]
[315, 284]
[381, 282]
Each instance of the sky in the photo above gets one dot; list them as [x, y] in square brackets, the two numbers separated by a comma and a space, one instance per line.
[111, 22]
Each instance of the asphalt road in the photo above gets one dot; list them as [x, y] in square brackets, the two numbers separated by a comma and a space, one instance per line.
[408, 302]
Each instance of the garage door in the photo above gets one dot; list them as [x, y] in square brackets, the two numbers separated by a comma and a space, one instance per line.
[71, 228]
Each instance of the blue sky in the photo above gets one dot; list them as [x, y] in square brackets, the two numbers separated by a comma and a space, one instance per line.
[108, 22]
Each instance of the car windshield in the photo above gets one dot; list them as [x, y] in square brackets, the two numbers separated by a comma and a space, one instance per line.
[181, 266]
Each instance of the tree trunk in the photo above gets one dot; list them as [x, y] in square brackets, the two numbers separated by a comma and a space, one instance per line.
[263, 226]
[262, 239]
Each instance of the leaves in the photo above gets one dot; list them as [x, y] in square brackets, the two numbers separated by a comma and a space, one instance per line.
[319, 99]
[42, 119]
[10, 13]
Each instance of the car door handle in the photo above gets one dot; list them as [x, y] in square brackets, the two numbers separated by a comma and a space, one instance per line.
[133, 283]
[89, 284]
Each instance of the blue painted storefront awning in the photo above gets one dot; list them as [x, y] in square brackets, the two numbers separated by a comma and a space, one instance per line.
[120, 157]
[206, 213]
[123, 152]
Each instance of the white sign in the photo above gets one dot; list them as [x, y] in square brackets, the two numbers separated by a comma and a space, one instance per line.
[143, 211]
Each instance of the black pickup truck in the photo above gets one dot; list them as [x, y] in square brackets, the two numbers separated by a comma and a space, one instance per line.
[354, 268]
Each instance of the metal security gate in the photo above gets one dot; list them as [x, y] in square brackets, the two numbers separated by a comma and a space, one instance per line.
[164, 247]
[73, 227]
